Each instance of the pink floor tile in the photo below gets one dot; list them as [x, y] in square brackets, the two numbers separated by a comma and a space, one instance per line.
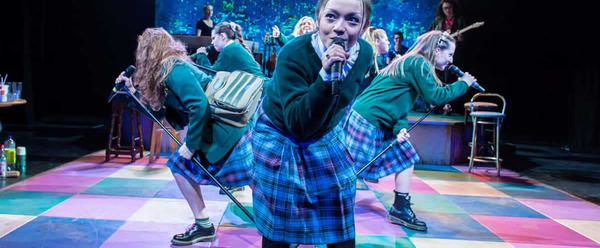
[517, 245]
[79, 168]
[237, 237]
[97, 207]
[57, 183]
[488, 174]
[147, 235]
[570, 210]
[387, 184]
[533, 231]
[369, 210]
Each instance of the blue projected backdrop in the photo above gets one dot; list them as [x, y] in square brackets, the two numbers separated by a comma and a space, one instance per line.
[257, 16]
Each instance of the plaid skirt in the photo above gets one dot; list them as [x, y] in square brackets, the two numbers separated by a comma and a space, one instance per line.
[234, 170]
[303, 192]
[364, 141]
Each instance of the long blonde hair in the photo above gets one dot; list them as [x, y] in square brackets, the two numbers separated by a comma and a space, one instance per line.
[372, 35]
[298, 27]
[156, 54]
[424, 46]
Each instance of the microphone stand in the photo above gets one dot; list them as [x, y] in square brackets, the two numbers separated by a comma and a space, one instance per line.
[194, 158]
[394, 143]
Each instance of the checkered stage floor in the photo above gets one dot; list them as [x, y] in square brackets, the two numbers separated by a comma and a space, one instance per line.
[87, 203]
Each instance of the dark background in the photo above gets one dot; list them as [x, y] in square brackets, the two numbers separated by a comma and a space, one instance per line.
[539, 55]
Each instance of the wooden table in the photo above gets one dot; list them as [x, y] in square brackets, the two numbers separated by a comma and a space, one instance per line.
[12, 103]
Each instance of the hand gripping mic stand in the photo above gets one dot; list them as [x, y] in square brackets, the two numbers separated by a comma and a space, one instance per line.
[394, 143]
[195, 157]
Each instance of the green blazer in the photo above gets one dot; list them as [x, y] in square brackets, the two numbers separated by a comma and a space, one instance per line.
[298, 101]
[233, 57]
[186, 104]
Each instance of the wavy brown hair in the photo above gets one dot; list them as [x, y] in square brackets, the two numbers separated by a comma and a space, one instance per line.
[156, 54]
[424, 46]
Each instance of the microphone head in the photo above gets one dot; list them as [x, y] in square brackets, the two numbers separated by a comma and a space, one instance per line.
[339, 41]
[129, 71]
[454, 69]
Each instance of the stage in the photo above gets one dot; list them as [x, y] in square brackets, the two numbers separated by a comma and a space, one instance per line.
[86, 203]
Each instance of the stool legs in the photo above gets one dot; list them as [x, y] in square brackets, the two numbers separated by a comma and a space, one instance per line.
[473, 144]
[155, 143]
[497, 139]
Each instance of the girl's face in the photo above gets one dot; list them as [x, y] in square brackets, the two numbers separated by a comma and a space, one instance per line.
[383, 45]
[208, 11]
[343, 19]
[218, 41]
[448, 9]
[444, 57]
[307, 26]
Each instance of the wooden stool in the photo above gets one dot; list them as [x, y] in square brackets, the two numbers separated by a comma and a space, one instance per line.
[114, 147]
[156, 141]
[490, 118]
[478, 106]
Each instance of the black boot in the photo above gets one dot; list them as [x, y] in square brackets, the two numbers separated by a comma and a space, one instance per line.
[195, 234]
[402, 214]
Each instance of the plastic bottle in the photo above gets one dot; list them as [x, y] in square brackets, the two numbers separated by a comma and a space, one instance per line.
[21, 161]
[3, 166]
[10, 151]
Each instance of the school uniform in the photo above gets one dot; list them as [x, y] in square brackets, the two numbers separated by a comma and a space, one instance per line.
[304, 184]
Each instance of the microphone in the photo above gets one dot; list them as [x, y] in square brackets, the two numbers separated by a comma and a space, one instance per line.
[454, 69]
[336, 68]
[120, 86]
[128, 72]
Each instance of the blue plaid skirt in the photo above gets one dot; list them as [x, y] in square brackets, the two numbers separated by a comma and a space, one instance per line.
[234, 170]
[303, 192]
[364, 141]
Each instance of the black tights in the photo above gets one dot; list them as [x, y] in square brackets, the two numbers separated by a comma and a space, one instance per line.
[267, 243]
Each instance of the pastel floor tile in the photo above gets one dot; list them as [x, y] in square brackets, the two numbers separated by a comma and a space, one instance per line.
[81, 168]
[367, 210]
[228, 236]
[154, 172]
[8, 223]
[497, 206]
[387, 184]
[60, 232]
[489, 175]
[536, 191]
[464, 188]
[57, 183]
[590, 229]
[445, 175]
[29, 202]
[519, 245]
[171, 190]
[143, 234]
[382, 241]
[571, 210]
[452, 226]
[533, 231]
[424, 203]
[175, 211]
[433, 167]
[127, 187]
[450, 243]
[97, 207]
